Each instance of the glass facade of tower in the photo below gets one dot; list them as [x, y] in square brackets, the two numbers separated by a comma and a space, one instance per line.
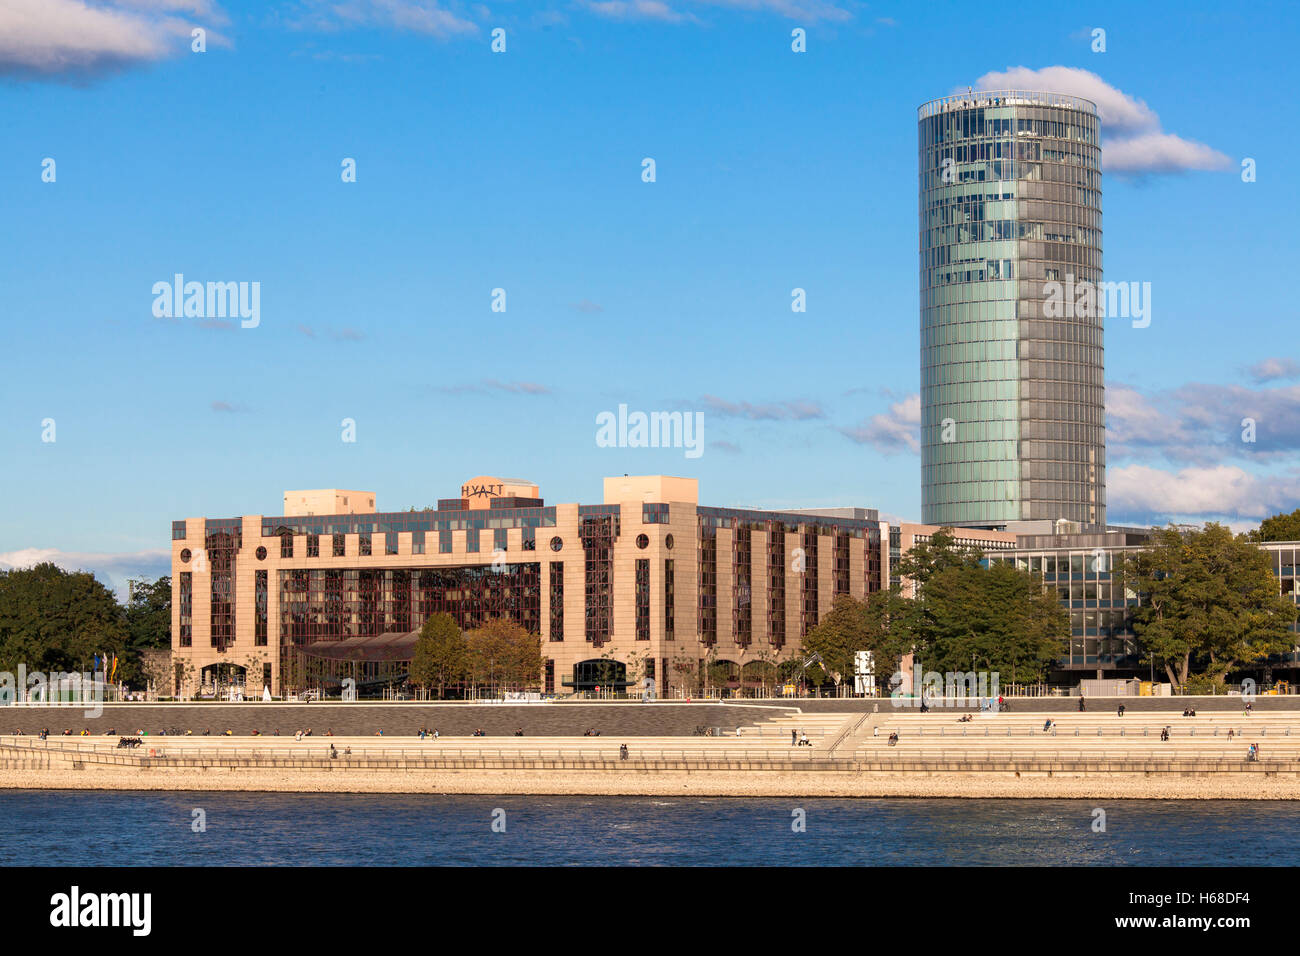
[1012, 393]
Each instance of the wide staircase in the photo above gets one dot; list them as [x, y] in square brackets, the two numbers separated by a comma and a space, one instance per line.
[765, 741]
[1078, 738]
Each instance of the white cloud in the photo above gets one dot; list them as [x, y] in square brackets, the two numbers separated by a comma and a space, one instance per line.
[1133, 141]
[84, 38]
[430, 17]
[1215, 491]
[1160, 153]
[1271, 369]
[895, 430]
[809, 11]
[634, 10]
[1201, 424]
[796, 410]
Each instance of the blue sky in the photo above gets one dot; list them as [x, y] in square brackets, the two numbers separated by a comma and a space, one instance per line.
[522, 170]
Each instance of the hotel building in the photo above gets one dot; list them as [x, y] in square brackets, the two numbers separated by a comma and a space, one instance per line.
[648, 579]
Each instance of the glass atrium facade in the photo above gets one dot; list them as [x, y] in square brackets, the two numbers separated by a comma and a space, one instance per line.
[1012, 393]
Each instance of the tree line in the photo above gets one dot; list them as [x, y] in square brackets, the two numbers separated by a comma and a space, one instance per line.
[497, 656]
[1204, 604]
[54, 620]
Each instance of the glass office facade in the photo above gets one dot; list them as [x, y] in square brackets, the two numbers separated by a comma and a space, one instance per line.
[1012, 395]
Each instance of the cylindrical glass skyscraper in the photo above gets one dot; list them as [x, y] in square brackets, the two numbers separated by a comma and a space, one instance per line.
[1012, 393]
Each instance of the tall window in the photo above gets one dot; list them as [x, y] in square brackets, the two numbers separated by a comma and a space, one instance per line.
[643, 599]
[313, 546]
[597, 534]
[557, 601]
[668, 600]
[221, 555]
[286, 544]
[187, 609]
[809, 545]
[742, 614]
[340, 545]
[707, 617]
[260, 599]
[841, 562]
[776, 583]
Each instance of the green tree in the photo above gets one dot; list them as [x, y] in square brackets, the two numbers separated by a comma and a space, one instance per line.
[56, 620]
[504, 654]
[888, 634]
[1280, 527]
[441, 654]
[927, 558]
[838, 636]
[148, 622]
[1209, 603]
[995, 619]
[913, 618]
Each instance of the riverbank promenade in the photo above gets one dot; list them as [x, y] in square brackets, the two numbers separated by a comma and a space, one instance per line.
[784, 750]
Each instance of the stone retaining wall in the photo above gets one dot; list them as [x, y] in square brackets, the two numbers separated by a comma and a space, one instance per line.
[631, 719]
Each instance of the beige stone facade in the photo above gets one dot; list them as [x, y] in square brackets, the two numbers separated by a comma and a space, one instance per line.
[607, 566]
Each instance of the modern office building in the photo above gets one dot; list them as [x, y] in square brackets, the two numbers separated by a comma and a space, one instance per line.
[646, 584]
[1012, 393]
[1084, 570]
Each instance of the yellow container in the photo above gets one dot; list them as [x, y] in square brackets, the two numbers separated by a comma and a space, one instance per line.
[1144, 690]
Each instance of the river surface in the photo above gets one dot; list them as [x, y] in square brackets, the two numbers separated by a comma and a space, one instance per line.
[83, 828]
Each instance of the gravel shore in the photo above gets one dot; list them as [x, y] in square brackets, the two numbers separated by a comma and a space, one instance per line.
[668, 783]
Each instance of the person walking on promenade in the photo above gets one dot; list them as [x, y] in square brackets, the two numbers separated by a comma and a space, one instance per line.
[794, 736]
[1082, 708]
[622, 751]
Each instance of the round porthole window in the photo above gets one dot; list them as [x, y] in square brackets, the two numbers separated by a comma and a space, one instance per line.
[668, 542]
[642, 541]
[185, 555]
[261, 553]
[556, 543]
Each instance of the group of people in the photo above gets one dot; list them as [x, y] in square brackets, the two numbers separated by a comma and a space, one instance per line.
[799, 738]
[427, 734]
[1189, 712]
[1049, 725]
